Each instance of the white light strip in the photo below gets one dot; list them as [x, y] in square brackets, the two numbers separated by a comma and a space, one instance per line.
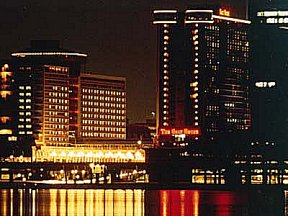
[283, 27]
[231, 19]
[199, 21]
[164, 22]
[164, 11]
[47, 54]
[272, 13]
[204, 11]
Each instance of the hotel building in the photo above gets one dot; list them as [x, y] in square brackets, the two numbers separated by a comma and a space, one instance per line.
[42, 74]
[203, 74]
[269, 73]
[58, 104]
[102, 106]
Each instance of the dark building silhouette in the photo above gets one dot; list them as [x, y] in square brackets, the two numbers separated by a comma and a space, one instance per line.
[269, 39]
[203, 74]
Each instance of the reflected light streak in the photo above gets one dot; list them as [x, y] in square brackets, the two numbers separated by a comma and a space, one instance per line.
[3, 199]
[196, 197]
[53, 202]
[99, 202]
[163, 202]
[129, 202]
[21, 200]
[182, 198]
[119, 202]
[63, 196]
[11, 201]
[71, 202]
[89, 203]
[80, 210]
[109, 207]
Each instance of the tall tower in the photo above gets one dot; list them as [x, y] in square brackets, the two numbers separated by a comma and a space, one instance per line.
[269, 39]
[45, 76]
[203, 74]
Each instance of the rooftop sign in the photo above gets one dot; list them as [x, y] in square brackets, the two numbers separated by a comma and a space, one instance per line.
[224, 12]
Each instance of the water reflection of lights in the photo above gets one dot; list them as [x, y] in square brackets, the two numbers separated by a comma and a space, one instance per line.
[72, 202]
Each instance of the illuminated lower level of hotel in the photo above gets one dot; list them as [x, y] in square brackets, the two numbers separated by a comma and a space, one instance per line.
[82, 153]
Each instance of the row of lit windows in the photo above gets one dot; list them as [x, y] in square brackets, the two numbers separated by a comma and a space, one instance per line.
[102, 135]
[25, 132]
[90, 97]
[59, 113]
[22, 94]
[25, 113]
[60, 120]
[106, 92]
[25, 126]
[106, 129]
[58, 107]
[25, 68]
[25, 87]
[210, 113]
[109, 123]
[85, 115]
[60, 88]
[101, 110]
[50, 100]
[56, 139]
[212, 27]
[58, 68]
[26, 119]
[23, 101]
[113, 111]
[25, 107]
[212, 107]
[91, 103]
[56, 94]
[56, 126]
[213, 44]
[112, 117]
[239, 59]
[56, 132]
[212, 130]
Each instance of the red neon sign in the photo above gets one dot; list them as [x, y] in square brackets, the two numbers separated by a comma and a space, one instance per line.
[178, 131]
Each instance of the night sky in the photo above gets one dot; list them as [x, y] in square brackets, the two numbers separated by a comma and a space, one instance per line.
[117, 35]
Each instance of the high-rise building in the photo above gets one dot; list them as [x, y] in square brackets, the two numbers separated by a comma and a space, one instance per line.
[8, 139]
[57, 103]
[102, 108]
[269, 39]
[42, 75]
[203, 74]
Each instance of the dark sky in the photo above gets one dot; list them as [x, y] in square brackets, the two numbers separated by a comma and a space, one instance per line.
[117, 35]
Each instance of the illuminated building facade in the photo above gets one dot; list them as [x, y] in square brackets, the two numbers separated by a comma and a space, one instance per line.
[100, 151]
[7, 111]
[43, 73]
[269, 73]
[203, 74]
[102, 108]
[58, 104]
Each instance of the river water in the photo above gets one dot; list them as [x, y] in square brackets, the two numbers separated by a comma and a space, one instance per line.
[120, 202]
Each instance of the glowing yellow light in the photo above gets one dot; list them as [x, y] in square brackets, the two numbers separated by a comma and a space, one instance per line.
[5, 131]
